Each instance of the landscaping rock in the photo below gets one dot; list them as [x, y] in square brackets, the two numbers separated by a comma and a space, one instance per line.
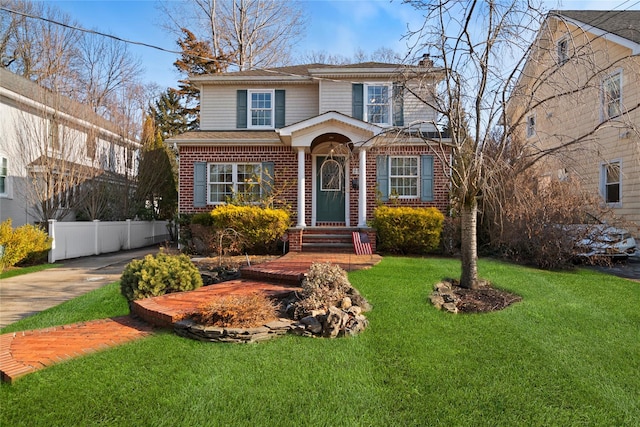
[189, 329]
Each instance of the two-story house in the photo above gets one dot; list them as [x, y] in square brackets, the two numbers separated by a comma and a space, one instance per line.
[578, 104]
[51, 151]
[335, 140]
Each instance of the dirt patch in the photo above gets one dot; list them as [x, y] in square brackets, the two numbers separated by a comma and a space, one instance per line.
[484, 299]
[448, 295]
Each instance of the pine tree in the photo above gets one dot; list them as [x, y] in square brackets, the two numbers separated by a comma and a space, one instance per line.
[197, 59]
[168, 116]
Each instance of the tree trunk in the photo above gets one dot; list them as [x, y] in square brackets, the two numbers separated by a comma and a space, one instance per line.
[469, 249]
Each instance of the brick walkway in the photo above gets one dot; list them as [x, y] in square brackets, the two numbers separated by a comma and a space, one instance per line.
[24, 352]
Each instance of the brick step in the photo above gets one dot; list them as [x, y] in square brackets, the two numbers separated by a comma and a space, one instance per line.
[281, 277]
[328, 247]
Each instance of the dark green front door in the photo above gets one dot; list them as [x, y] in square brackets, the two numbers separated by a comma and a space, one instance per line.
[330, 189]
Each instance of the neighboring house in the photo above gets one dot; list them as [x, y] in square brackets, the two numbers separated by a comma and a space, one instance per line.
[579, 99]
[52, 150]
[332, 141]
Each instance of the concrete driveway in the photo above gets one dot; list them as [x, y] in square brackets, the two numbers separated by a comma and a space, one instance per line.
[28, 294]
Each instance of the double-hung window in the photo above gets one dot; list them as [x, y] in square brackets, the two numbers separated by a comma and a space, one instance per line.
[404, 177]
[225, 180]
[612, 95]
[531, 126]
[4, 184]
[610, 182]
[261, 111]
[378, 104]
[563, 50]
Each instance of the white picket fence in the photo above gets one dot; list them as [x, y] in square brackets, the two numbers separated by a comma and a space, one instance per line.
[77, 239]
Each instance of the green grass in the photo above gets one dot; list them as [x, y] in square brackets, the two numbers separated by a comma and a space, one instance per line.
[25, 270]
[567, 355]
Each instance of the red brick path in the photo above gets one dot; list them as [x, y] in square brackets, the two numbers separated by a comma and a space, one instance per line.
[28, 351]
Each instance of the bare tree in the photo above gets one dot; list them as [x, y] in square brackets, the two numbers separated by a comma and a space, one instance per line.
[256, 33]
[105, 69]
[470, 41]
[39, 50]
[381, 54]
[483, 46]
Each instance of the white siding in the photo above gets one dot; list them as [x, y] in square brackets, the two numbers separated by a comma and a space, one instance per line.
[218, 108]
[335, 96]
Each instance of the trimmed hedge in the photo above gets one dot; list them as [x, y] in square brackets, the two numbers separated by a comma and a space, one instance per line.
[260, 228]
[158, 275]
[405, 230]
[21, 243]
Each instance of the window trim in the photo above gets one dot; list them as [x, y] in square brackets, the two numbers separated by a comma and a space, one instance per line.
[605, 103]
[234, 179]
[417, 177]
[272, 94]
[604, 184]
[389, 103]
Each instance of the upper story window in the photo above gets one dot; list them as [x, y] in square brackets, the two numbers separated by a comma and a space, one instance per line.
[563, 51]
[3, 176]
[378, 104]
[261, 109]
[531, 126]
[612, 95]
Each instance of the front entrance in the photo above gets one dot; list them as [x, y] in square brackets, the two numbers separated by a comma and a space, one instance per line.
[330, 188]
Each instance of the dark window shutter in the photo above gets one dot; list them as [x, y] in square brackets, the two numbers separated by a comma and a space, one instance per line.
[426, 178]
[279, 113]
[398, 104]
[268, 169]
[357, 101]
[241, 109]
[382, 176]
[199, 184]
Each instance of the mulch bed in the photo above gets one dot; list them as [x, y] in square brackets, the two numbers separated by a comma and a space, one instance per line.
[484, 299]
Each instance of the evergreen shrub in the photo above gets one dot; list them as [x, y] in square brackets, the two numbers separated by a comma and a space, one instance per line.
[406, 230]
[22, 243]
[260, 228]
[158, 275]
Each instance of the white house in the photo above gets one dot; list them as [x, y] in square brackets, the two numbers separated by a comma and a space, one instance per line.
[50, 149]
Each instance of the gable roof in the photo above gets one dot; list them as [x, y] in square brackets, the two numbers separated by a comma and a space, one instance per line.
[622, 23]
[26, 92]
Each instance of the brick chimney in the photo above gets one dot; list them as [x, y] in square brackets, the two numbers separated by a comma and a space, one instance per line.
[426, 61]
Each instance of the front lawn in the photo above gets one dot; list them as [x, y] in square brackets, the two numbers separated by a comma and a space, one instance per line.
[568, 354]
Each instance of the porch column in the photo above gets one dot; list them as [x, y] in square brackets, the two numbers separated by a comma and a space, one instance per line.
[362, 192]
[301, 185]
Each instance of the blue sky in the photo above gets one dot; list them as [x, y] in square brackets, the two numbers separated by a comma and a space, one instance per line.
[335, 26]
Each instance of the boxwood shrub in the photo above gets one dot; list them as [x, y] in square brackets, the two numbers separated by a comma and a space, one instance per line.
[406, 230]
[158, 275]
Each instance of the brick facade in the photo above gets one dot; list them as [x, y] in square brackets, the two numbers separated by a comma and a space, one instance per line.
[286, 172]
